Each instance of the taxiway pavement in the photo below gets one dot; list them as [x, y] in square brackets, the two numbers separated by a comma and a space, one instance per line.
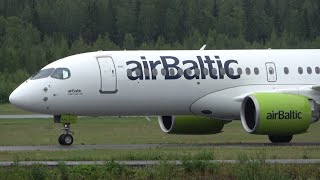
[29, 116]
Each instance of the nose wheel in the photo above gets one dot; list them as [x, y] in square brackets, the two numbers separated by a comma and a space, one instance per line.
[66, 138]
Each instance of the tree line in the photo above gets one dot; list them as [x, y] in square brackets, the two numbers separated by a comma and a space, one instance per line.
[34, 33]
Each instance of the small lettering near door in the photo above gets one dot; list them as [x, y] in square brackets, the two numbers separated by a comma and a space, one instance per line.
[75, 92]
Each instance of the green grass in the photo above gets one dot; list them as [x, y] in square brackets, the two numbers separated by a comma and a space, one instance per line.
[223, 153]
[113, 130]
[188, 170]
[137, 130]
[8, 109]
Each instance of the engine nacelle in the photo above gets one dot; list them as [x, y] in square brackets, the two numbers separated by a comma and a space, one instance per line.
[190, 125]
[277, 114]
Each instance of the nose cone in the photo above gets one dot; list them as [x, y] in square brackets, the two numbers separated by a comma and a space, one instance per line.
[16, 98]
[27, 96]
[12, 98]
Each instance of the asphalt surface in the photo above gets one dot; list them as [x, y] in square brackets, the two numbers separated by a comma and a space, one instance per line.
[30, 116]
[152, 163]
[146, 146]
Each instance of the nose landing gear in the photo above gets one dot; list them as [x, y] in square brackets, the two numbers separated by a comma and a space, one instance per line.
[66, 138]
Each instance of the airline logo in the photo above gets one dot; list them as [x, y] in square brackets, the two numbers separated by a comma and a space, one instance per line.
[201, 68]
[293, 114]
[74, 92]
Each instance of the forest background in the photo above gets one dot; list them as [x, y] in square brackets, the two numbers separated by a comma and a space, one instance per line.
[34, 33]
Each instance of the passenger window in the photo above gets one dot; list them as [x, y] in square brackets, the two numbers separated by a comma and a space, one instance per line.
[138, 72]
[197, 72]
[146, 72]
[154, 72]
[205, 71]
[42, 74]
[189, 72]
[222, 71]
[171, 72]
[180, 72]
[300, 70]
[309, 70]
[248, 71]
[317, 70]
[239, 70]
[256, 71]
[61, 73]
[129, 72]
[231, 71]
[214, 71]
[163, 72]
[271, 70]
[286, 70]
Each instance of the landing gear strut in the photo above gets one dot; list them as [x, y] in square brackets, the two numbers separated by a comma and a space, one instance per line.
[66, 138]
[280, 139]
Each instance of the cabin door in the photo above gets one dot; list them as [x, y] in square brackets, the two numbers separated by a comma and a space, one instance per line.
[271, 72]
[108, 75]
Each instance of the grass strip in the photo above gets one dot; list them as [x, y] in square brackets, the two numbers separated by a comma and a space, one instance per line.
[164, 154]
[125, 130]
[9, 109]
[190, 169]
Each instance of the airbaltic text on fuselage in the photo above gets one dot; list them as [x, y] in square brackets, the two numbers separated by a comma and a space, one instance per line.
[172, 67]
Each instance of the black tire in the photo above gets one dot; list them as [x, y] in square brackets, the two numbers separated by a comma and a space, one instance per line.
[280, 139]
[66, 140]
[60, 139]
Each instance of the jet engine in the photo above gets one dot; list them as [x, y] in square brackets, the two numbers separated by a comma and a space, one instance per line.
[278, 115]
[190, 125]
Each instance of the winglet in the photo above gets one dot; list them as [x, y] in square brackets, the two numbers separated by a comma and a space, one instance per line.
[203, 47]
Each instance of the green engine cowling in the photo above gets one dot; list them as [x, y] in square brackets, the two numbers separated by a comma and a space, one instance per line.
[277, 114]
[190, 125]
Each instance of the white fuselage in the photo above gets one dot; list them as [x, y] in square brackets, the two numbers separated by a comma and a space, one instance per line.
[108, 82]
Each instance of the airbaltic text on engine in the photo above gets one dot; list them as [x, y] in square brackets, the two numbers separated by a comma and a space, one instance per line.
[146, 67]
[293, 114]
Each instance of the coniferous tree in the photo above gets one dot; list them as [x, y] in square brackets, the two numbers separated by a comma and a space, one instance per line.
[34, 33]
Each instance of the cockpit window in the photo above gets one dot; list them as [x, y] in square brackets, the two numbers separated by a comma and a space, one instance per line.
[61, 73]
[42, 74]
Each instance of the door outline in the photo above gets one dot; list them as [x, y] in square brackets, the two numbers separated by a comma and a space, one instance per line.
[114, 71]
[271, 77]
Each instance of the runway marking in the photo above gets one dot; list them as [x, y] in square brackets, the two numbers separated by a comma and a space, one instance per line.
[149, 146]
[153, 163]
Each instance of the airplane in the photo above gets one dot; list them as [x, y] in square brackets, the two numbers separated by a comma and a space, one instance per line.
[273, 92]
